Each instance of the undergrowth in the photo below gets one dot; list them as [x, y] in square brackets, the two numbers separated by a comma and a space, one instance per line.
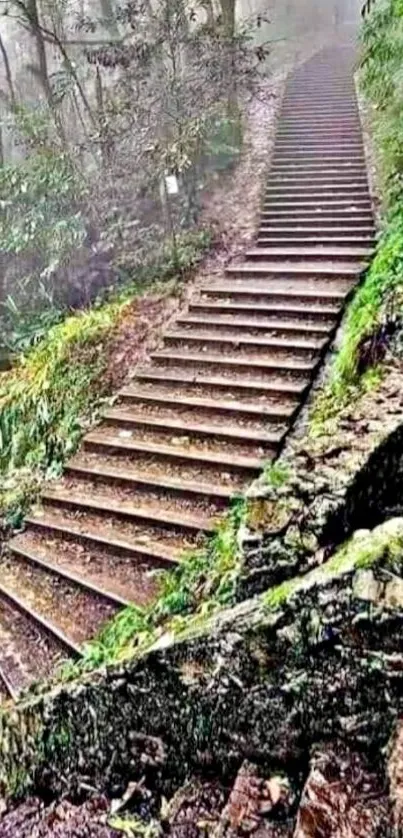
[374, 313]
[57, 387]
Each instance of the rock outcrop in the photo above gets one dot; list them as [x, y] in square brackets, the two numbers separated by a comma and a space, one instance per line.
[315, 660]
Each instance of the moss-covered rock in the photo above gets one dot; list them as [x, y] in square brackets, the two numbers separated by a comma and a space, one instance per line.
[328, 492]
[313, 659]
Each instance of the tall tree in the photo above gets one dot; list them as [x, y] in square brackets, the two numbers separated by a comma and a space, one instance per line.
[7, 69]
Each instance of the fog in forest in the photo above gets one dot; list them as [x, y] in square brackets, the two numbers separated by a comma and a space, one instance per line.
[102, 101]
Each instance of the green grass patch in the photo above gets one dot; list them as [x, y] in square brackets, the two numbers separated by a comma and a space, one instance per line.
[378, 302]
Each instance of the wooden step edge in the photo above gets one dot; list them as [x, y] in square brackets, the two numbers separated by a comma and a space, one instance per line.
[164, 397]
[324, 166]
[117, 545]
[336, 296]
[291, 270]
[268, 325]
[233, 362]
[322, 251]
[302, 191]
[186, 427]
[265, 241]
[239, 340]
[166, 519]
[34, 616]
[166, 484]
[290, 389]
[64, 573]
[111, 443]
[283, 308]
[318, 204]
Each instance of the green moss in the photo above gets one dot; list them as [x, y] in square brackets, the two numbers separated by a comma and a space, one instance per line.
[360, 552]
[277, 474]
[275, 598]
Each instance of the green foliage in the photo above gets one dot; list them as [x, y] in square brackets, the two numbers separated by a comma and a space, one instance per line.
[40, 218]
[378, 300]
[38, 424]
[277, 474]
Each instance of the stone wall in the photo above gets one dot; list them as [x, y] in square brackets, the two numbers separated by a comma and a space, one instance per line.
[348, 477]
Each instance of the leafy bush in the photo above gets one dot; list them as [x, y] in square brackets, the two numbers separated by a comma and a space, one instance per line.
[40, 220]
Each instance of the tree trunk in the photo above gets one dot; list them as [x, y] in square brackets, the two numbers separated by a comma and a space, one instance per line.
[228, 17]
[103, 128]
[109, 17]
[208, 6]
[33, 19]
[228, 27]
[9, 77]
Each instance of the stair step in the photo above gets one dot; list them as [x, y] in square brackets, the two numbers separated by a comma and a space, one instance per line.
[317, 130]
[311, 252]
[97, 441]
[300, 143]
[312, 233]
[322, 221]
[268, 240]
[158, 555]
[296, 189]
[119, 416]
[324, 164]
[49, 627]
[328, 179]
[285, 309]
[286, 293]
[242, 409]
[290, 389]
[239, 340]
[317, 204]
[307, 159]
[20, 551]
[150, 481]
[345, 119]
[246, 364]
[252, 324]
[340, 270]
[134, 512]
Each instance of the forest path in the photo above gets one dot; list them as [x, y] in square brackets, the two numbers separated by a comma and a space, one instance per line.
[214, 404]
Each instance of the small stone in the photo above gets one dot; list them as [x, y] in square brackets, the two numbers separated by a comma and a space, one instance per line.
[393, 594]
[366, 587]
[359, 534]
